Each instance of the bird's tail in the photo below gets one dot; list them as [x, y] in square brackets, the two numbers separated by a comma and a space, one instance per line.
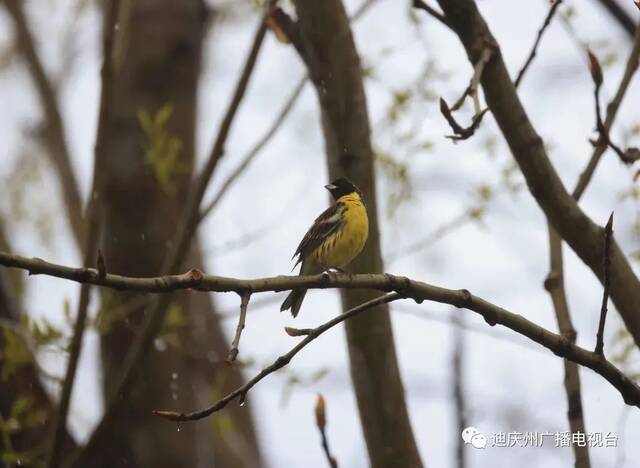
[295, 297]
[294, 301]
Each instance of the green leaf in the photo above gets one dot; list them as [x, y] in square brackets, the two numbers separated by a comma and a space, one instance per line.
[15, 354]
[20, 405]
[162, 149]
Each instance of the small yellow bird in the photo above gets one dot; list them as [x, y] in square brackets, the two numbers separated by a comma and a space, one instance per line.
[336, 237]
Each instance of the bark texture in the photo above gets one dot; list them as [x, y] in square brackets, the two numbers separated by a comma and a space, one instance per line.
[157, 60]
[327, 46]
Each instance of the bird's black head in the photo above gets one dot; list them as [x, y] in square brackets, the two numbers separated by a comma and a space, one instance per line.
[341, 187]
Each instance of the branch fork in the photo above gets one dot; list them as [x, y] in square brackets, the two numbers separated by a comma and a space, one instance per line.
[459, 132]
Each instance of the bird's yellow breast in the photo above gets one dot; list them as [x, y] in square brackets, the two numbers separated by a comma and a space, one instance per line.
[339, 249]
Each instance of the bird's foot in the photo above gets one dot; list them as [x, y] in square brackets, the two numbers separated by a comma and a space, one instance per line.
[326, 275]
[334, 272]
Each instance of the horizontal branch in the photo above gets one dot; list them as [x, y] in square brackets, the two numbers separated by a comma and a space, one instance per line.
[405, 287]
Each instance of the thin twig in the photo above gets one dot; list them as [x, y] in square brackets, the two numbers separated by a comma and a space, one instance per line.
[478, 68]
[612, 111]
[534, 49]
[459, 132]
[321, 423]
[472, 89]
[93, 218]
[257, 148]
[421, 5]
[58, 149]
[458, 104]
[279, 363]
[244, 302]
[457, 385]
[361, 10]
[432, 237]
[608, 234]
[628, 156]
[405, 287]
[272, 130]
[529, 151]
[156, 312]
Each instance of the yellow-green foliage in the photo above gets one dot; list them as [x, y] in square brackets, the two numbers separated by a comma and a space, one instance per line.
[161, 150]
[22, 416]
[173, 322]
[14, 353]
[397, 174]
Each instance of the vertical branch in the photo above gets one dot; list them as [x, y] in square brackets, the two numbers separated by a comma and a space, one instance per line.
[55, 139]
[631, 154]
[554, 284]
[244, 302]
[27, 377]
[156, 310]
[278, 120]
[255, 150]
[323, 38]
[608, 234]
[93, 217]
[612, 111]
[457, 371]
[534, 49]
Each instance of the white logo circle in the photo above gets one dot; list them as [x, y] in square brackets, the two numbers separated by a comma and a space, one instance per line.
[468, 433]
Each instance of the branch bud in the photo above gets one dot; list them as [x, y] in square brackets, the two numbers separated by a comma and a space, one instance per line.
[321, 420]
[594, 68]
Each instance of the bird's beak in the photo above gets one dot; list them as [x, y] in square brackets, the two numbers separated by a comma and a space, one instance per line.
[330, 187]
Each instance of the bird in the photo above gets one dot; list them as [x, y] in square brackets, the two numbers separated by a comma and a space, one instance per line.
[336, 237]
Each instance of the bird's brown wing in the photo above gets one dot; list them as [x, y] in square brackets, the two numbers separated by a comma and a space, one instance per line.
[326, 224]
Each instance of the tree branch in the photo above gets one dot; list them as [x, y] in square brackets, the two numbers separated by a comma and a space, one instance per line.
[328, 48]
[402, 287]
[94, 217]
[554, 284]
[534, 49]
[460, 133]
[573, 225]
[244, 302]
[628, 156]
[279, 363]
[58, 149]
[608, 235]
[272, 130]
[421, 5]
[620, 15]
[612, 110]
[257, 148]
[156, 312]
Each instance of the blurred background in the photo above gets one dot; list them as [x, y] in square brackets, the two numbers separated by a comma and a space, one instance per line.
[457, 215]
